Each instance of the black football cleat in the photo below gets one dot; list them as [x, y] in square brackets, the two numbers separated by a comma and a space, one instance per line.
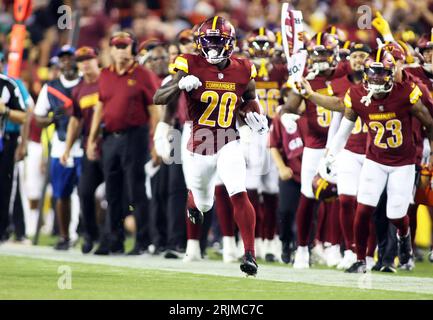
[388, 268]
[63, 244]
[249, 265]
[270, 257]
[102, 250]
[87, 246]
[358, 267]
[137, 250]
[117, 247]
[405, 253]
[377, 266]
[195, 216]
[430, 256]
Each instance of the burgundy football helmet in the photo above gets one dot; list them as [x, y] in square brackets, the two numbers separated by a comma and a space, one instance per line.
[322, 52]
[216, 39]
[323, 189]
[379, 72]
[260, 43]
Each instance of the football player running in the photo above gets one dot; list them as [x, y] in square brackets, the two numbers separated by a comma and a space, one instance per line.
[387, 107]
[322, 67]
[217, 85]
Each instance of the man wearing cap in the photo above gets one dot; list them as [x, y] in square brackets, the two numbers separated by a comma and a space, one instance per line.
[55, 97]
[85, 97]
[12, 111]
[125, 109]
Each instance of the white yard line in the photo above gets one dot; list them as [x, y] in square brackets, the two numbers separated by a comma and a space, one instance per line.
[266, 272]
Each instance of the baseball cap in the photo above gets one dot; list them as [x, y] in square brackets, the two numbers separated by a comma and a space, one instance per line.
[64, 50]
[186, 35]
[85, 53]
[360, 47]
[121, 38]
[54, 61]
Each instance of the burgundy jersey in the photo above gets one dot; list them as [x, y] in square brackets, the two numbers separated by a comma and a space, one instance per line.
[212, 107]
[85, 96]
[390, 137]
[425, 83]
[358, 139]
[318, 118]
[268, 88]
[290, 146]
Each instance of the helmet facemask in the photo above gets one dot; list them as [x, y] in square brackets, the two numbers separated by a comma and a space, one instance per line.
[378, 79]
[216, 48]
[320, 59]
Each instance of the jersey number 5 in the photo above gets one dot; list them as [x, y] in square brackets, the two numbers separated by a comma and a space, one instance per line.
[226, 106]
[393, 125]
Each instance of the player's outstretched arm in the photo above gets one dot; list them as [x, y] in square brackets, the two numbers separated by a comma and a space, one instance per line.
[327, 102]
[420, 111]
[170, 91]
[343, 133]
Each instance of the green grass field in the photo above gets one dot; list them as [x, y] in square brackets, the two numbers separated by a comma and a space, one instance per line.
[32, 273]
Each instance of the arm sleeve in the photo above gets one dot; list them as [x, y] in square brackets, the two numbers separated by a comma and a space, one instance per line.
[333, 128]
[341, 136]
[42, 107]
[12, 97]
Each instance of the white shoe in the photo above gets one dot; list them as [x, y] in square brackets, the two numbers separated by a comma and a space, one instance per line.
[318, 254]
[192, 252]
[302, 258]
[229, 250]
[347, 261]
[333, 258]
[370, 263]
[277, 248]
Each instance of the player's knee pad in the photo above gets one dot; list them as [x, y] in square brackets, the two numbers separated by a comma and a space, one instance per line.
[397, 206]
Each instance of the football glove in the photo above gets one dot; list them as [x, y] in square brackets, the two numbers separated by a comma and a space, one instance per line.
[257, 122]
[382, 26]
[189, 82]
[327, 168]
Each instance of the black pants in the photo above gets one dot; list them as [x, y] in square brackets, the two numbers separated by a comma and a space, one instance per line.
[289, 194]
[124, 156]
[158, 207]
[91, 177]
[176, 206]
[7, 162]
[385, 233]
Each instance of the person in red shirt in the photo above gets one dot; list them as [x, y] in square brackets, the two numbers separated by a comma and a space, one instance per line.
[126, 111]
[286, 149]
[85, 97]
